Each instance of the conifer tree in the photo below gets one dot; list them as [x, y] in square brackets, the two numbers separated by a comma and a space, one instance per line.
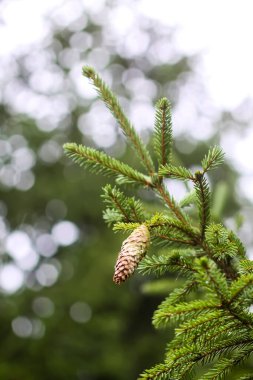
[215, 330]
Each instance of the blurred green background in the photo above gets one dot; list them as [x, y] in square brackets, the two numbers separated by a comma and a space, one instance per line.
[61, 316]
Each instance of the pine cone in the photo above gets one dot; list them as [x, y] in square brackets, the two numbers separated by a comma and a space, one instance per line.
[132, 251]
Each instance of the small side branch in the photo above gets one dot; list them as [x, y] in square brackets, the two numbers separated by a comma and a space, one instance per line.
[203, 198]
[112, 103]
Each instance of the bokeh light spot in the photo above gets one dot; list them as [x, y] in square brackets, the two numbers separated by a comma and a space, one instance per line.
[47, 274]
[18, 244]
[26, 181]
[46, 245]
[29, 261]
[38, 328]
[3, 230]
[50, 152]
[80, 312]
[11, 278]
[65, 233]
[43, 307]
[23, 158]
[5, 148]
[56, 209]
[22, 327]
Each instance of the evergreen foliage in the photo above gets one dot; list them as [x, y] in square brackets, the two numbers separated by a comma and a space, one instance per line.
[214, 330]
[112, 103]
[120, 207]
[177, 172]
[163, 132]
[100, 162]
[213, 159]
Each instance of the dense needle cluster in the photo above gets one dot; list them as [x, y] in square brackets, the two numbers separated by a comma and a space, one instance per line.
[211, 305]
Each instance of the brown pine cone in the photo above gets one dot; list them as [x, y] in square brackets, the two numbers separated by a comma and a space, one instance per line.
[132, 251]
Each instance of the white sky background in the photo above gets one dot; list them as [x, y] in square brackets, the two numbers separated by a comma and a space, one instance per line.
[220, 31]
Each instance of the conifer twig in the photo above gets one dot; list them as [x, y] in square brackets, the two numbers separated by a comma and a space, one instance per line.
[203, 197]
[212, 159]
[100, 162]
[163, 132]
[112, 103]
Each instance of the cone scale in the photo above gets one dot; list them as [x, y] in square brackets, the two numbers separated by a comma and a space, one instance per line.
[133, 249]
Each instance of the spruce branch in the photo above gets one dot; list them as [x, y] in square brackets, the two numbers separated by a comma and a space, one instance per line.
[125, 227]
[116, 200]
[246, 266]
[181, 361]
[241, 252]
[208, 334]
[214, 158]
[120, 207]
[203, 201]
[167, 239]
[217, 328]
[158, 372]
[180, 260]
[204, 354]
[221, 331]
[240, 286]
[174, 261]
[241, 315]
[225, 365]
[200, 323]
[112, 103]
[173, 224]
[210, 277]
[167, 313]
[176, 172]
[99, 162]
[154, 264]
[163, 131]
[222, 243]
[179, 294]
[111, 216]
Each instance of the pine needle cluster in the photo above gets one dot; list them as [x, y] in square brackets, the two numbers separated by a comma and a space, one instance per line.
[210, 312]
